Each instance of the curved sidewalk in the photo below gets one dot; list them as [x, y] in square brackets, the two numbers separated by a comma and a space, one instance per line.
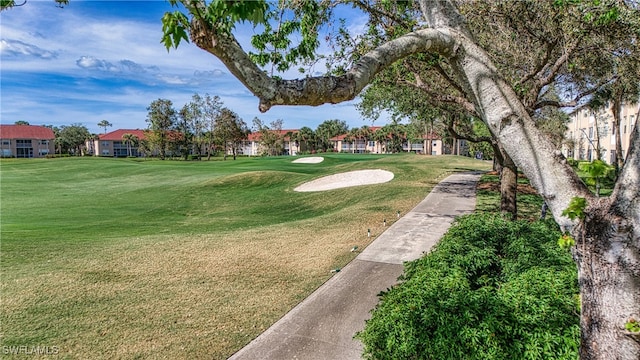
[323, 325]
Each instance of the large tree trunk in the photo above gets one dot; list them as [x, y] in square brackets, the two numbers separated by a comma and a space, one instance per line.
[508, 181]
[609, 281]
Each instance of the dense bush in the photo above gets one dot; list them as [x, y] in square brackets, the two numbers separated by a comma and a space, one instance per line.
[491, 289]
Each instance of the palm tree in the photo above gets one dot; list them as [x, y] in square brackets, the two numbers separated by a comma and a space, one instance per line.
[365, 133]
[306, 136]
[130, 140]
[105, 124]
[91, 140]
[381, 138]
[354, 135]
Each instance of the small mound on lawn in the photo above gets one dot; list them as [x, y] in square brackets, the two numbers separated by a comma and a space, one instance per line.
[309, 160]
[347, 179]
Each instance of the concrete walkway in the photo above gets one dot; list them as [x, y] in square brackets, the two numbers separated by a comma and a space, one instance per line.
[323, 325]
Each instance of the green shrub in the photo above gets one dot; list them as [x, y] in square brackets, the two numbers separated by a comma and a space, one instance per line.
[491, 289]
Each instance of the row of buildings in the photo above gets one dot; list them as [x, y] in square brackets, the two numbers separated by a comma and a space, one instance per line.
[29, 141]
[589, 134]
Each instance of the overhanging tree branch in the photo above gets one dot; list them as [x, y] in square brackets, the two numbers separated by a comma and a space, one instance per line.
[320, 89]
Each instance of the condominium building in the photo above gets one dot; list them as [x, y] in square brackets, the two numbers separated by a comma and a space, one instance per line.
[26, 141]
[114, 144]
[590, 133]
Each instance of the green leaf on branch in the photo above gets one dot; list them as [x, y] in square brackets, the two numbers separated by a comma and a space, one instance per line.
[566, 241]
[576, 208]
[174, 27]
[633, 326]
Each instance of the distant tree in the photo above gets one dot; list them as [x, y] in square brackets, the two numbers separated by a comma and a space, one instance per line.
[144, 146]
[230, 130]
[395, 134]
[104, 124]
[91, 139]
[161, 119]
[184, 125]
[211, 107]
[21, 122]
[72, 138]
[193, 113]
[382, 140]
[271, 137]
[306, 139]
[130, 140]
[330, 129]
[365, 134]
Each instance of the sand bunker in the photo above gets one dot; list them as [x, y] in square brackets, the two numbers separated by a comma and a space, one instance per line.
[347, 179]
[309, 160]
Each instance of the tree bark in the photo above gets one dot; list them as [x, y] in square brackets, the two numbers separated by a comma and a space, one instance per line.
[508, 182]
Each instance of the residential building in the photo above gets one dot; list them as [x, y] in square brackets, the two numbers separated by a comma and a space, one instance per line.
[253, 147]
[359, 145]
[590, 131]
[113, 144]
[26, 141]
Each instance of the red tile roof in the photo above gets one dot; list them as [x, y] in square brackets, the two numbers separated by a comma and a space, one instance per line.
[26, 132]
[116, 135]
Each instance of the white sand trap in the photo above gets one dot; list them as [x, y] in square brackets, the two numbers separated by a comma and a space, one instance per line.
[309, 160]
[347, 179]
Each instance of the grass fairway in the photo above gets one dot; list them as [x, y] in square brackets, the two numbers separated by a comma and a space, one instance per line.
[121, 258]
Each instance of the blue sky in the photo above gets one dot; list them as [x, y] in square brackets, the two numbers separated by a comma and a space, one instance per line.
[95, 60]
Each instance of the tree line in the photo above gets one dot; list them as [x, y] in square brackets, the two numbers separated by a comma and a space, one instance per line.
[204, 127]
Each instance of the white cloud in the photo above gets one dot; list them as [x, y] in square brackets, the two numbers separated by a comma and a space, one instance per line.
[91, 63]
[20, 49]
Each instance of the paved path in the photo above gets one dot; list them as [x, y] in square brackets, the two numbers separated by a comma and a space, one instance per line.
[323, 325]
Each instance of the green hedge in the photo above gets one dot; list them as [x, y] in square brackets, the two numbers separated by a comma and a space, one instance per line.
[491, 289]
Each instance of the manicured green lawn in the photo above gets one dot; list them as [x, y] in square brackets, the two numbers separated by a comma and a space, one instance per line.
[122, 258]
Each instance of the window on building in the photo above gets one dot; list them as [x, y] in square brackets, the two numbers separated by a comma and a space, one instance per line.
[591, 132]
[44, 142]
[23, 143]
[625, 129]
[613, 157]
[6, 142]
[105, 143]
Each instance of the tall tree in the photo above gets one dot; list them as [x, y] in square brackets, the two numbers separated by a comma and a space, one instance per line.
[71, 139]
[211, 107]
[104, 124]
[131, 140]
[306, 139]
[230, 130]
[161, 118]
[271, 137]
[504, 87]
[91, 140]
[329, 129]
[193, 124]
